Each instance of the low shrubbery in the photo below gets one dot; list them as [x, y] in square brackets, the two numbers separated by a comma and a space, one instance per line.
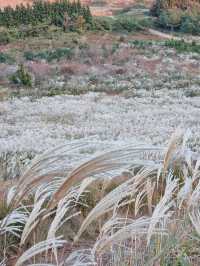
[5, 37]
[120, 24]
[190, 24]
[5, 58]
[170, 19]
[128, 24]
[50, 55]
[21, 77]
[102, 24]
[182, 46]
[160, 5]
[141, 44]
[22, 32]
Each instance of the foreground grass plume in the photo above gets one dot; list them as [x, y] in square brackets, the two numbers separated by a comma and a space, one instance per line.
[150, 215]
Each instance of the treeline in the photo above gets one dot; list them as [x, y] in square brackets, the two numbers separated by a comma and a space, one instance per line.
[44, 11]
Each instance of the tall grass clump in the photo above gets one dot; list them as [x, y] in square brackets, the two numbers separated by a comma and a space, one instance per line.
[147, 212]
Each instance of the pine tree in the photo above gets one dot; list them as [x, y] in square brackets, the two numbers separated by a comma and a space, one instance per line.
[42, 11]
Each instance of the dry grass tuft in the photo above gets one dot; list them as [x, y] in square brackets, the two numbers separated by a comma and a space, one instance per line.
[147, 209]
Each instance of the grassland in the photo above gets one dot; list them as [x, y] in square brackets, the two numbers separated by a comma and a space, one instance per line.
[99, 144]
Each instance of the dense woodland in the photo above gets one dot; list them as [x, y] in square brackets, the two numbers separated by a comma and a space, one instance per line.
[44, 11]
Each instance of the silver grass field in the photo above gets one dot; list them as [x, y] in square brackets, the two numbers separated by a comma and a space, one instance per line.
[135, 205]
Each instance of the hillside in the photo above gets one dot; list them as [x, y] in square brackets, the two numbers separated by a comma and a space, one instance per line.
[98, 7]
[89, 174]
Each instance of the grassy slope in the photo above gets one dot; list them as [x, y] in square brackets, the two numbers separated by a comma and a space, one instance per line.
[143, 82]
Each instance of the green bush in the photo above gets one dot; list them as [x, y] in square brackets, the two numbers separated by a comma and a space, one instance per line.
[102, 24]
[29, 55]
[49, 56]
[170, 19]
[4, 37]
[141, 44]
[43, 11]
[21, 77]
[5, 58]
[120, 23]
[182, 46]
[128, 24]
[190, 24]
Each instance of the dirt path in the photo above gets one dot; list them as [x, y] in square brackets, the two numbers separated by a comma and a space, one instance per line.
[163, 35]
[186, 38]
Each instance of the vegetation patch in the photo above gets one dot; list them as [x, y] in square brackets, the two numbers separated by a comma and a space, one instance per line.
[43, 11]
[5, 37]
[183, 16]
[152, 196]
[49, 56]
[142, 44]
[21, 77]
[5, 58]
[182, 46]
[120, 23]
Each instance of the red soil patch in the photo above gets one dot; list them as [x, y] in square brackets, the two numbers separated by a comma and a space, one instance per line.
[191, 68]
[150, 66]
[73, 68]
[39, 69]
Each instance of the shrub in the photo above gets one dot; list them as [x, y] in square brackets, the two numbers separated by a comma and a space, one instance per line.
[190, 24]
[170, 19]
[128, 24]
[5, 58]
[49, 56]
[4, 37]
[102, 24]
[22, 77]
[60, 53]
[29, 55]
[120, 23]
[141, 44]
[182, 46]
